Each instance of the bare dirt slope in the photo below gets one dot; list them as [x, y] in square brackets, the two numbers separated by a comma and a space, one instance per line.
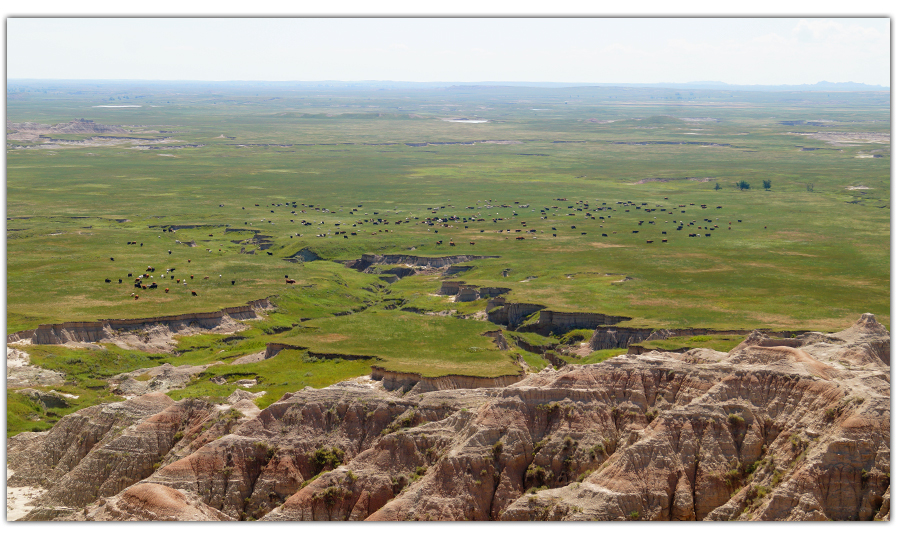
[776, 429]
[21, 373]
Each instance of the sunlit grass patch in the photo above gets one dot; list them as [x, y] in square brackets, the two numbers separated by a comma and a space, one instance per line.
[410, 342]
[287, 371]
[26, 414]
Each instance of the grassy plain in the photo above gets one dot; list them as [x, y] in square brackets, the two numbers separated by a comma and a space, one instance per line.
[409, 342]
[809, 254]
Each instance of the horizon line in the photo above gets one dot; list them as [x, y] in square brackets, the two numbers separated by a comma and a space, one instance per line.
[482, 82]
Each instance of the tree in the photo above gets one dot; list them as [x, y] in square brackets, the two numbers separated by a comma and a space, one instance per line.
[743, 185]
[767, 184]
[717, 187]
[809, 187]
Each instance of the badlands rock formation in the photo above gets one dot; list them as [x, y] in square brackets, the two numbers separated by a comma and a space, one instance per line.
[776, 429]
[149, 501]
[367, 260]
[148, 334]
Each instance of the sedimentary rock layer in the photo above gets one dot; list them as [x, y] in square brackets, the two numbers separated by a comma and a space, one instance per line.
[561, 322]
[606, 337]
[19, 336]
[773, 430]
[410, 380]
[510, 314]
[453, 288]
[514, 315]
[367, 260]
[106, 329]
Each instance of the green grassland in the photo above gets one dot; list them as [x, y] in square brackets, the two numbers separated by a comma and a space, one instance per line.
[24, 414]
[409, 342]
[239, 163]
[290, 370]
[721, 343]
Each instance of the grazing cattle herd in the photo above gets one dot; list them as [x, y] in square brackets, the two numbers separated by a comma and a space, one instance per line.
[589, 212]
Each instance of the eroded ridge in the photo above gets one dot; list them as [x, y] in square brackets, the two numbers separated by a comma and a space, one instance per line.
[776, 429]
[368, 260]
[148, 334]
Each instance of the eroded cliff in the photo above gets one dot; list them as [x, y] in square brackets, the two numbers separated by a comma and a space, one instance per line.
[776, 429]
[148, 334]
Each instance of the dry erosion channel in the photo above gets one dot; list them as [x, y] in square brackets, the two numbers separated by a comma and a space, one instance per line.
[468, 303]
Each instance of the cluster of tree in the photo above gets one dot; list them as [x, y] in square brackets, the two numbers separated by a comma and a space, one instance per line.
[742, 185]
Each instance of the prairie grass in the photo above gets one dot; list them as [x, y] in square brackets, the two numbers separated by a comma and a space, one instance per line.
[409, 342]
[809, 254]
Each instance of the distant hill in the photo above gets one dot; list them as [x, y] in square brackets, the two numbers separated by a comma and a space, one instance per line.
[823, 86]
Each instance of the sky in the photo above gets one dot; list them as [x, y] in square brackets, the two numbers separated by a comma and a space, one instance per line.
[581, 50]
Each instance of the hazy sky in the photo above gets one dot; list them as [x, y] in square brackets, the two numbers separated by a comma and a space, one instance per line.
[589, 50]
